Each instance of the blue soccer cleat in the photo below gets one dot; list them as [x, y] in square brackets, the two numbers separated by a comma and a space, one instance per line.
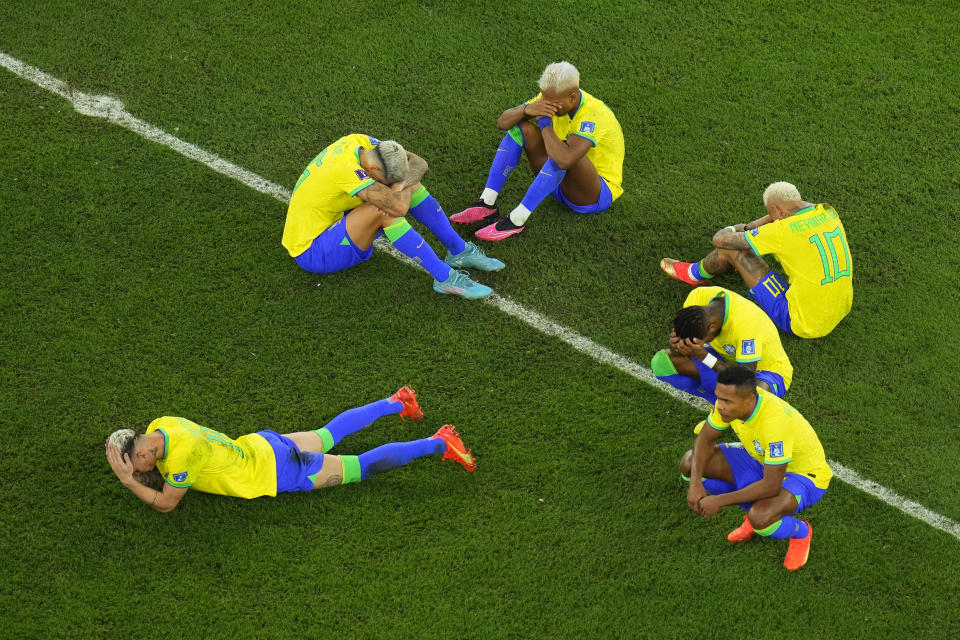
[460, 284]
[473, 257]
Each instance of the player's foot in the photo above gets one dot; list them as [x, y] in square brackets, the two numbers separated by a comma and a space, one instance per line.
[460, 284]
[742, 533]
[679, 271]
[455, 449]
[477, 211]
[473, 257]
[798, 551]
[411, 408]
[500, 230]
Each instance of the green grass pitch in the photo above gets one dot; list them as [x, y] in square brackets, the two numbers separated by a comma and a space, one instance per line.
[137, 283]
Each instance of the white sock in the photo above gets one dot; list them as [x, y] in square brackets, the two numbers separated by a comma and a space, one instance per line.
[519, 215]
[489, 197]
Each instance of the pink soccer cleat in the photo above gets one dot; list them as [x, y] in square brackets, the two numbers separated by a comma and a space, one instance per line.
[477, 211]
[499, 230]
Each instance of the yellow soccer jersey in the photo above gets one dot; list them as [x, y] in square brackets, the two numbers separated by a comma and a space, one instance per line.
[595, 121]
[327, 189]
[776, 433]
[748, 334]
[209, 461]
[812, 247]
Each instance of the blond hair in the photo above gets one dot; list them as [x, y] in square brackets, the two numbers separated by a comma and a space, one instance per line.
[560, 76]
[780, 192]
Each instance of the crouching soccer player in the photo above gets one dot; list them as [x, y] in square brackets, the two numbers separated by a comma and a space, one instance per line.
[777, 470]
[359, 188]
[807, 239]
[716, 325]
[267, 463]
[575, 148]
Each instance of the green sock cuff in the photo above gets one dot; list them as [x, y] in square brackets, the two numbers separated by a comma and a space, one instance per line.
[351, 469]
[769, 530]
[419, 196]
[685, 478]
[395, 231]
[662, 365]
[516, 134]
[703, 272]
[326, 437]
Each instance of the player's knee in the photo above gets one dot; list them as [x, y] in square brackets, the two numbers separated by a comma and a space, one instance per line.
[531, 133]
[762, 516]
[686, 462]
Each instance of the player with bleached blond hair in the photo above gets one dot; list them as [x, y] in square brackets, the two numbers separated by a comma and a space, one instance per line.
[575, 148]
[185, 455]
[810, 243]
[360, 188]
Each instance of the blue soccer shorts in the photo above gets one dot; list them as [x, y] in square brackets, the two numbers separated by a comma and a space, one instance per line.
[746, 470]
[602, 204]
[294, 467]
[771, 294]
[332, 250]
[774, 380]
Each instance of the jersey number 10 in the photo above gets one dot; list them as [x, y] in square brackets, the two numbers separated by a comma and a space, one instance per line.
[827, 243]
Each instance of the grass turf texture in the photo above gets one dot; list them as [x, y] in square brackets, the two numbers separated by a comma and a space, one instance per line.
[138, 283]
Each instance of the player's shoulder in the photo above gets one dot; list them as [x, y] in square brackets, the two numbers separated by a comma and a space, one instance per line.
[703, 295]
[166, 423]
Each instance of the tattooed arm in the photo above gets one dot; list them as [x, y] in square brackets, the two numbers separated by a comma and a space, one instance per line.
[728, 238]
[417, 167]
[393, 202]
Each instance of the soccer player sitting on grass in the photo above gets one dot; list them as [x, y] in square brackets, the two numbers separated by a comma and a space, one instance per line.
[575, 148]
[778, 468]
[358, 188]
[716, 325]
[807, 239]
[266, 463]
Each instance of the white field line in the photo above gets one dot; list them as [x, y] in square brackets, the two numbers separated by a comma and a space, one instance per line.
[112, 110]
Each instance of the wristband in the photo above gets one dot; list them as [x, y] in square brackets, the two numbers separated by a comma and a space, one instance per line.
[155, 494]
[709, 360]
[543, 122]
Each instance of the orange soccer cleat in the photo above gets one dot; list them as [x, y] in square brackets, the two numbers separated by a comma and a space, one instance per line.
[455, 449]
[798, 551]
[411, 408]
[742, 533]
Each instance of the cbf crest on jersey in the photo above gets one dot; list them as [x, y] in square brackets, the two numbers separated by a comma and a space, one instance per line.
[730, 349]
[587, 127]
[747, 347]
[756, 445]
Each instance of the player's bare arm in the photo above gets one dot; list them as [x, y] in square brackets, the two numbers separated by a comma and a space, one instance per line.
[566, 153]
[513, 116]
[393, 202]
[163, 501]
[727, 238]
[703, 450]
[417, 167]
[767, 487]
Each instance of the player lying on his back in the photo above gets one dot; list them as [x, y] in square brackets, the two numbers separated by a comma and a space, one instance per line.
[267, 463]
[809, 241]
[359, 188]
[778, 468]
[573, 143]
[714, 329]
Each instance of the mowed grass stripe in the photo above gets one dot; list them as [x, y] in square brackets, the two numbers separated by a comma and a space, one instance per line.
[112, 110]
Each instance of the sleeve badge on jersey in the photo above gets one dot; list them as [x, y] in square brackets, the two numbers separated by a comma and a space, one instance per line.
[754, 231]
[361, 174]
[373, 140]
[776, 449]
[180, 477]
[747, 347]
[587, 127]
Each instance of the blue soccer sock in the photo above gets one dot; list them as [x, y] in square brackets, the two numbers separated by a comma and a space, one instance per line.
[352, 420]
[663, 368]
[506, 160]
[545, 183]
[388, 456]
[425, 208]
[785, 527]
[411, 244]
[697, 272]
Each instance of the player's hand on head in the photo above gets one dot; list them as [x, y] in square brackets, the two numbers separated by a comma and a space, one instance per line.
[121, 464]
[541, 108]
